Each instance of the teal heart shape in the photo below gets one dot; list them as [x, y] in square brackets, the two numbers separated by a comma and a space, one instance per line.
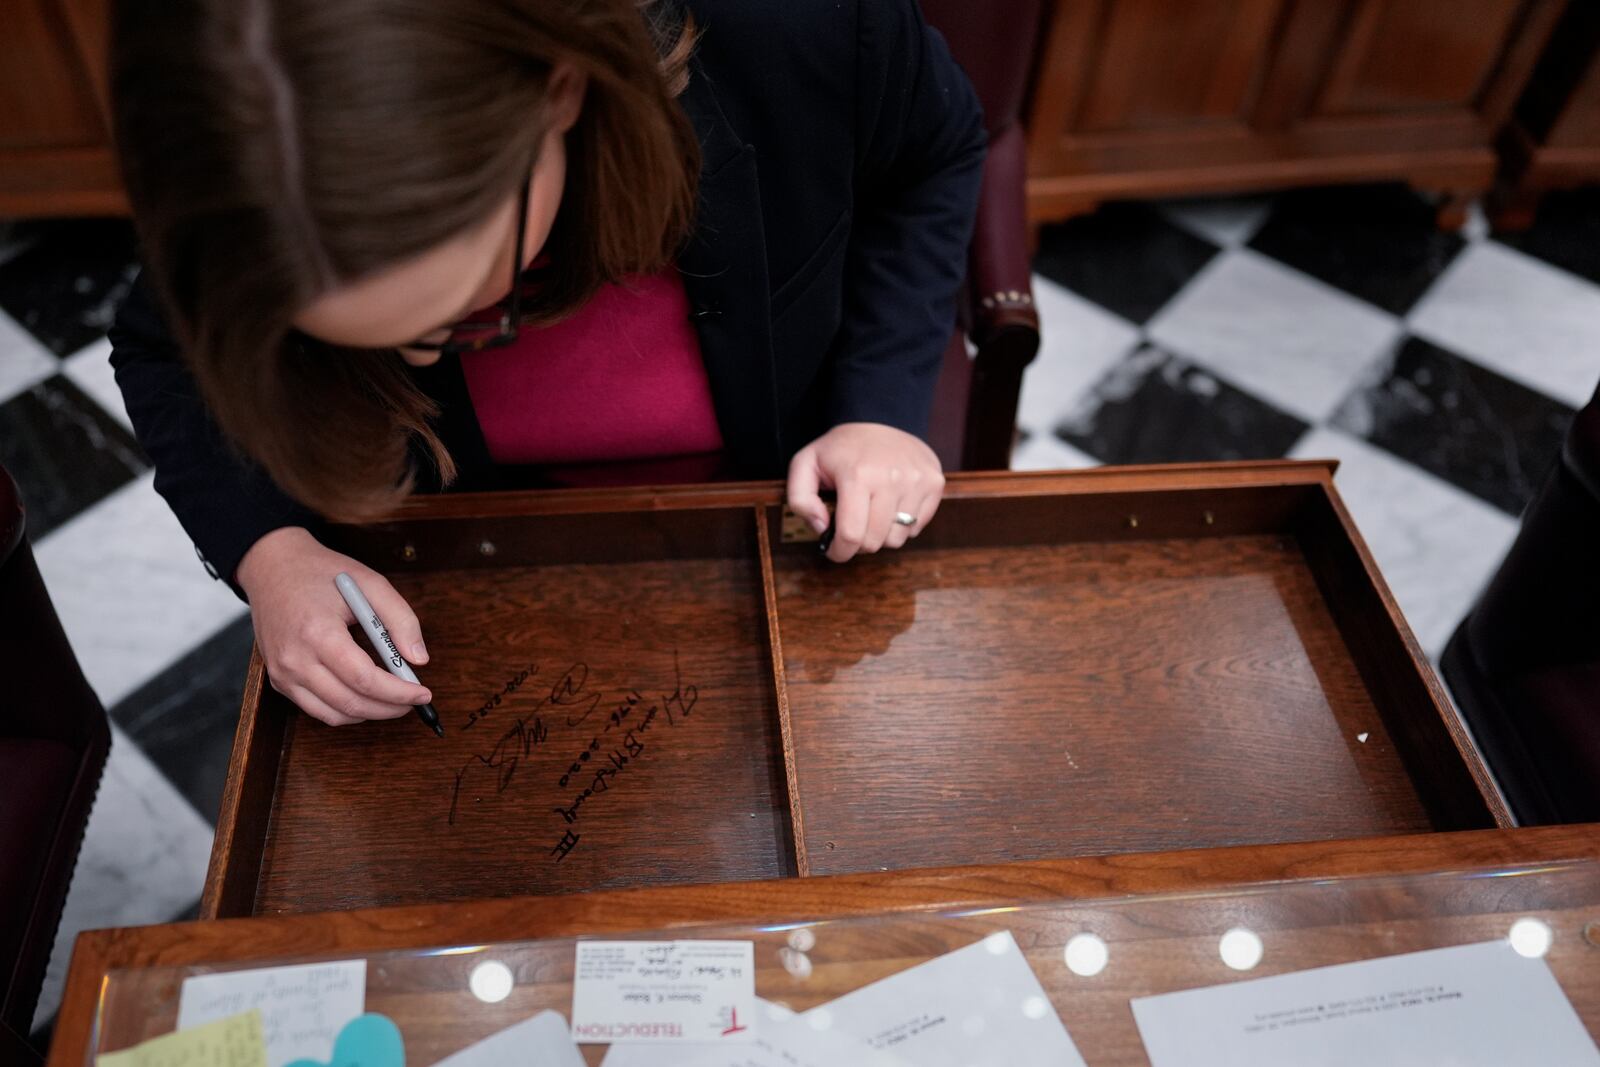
[369, 1040]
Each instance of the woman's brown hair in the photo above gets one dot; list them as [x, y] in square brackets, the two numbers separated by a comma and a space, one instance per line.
[276, 149]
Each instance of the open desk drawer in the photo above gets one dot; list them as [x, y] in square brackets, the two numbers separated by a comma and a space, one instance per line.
[651, 686]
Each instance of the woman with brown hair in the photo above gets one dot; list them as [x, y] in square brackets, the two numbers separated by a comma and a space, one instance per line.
[410, 245]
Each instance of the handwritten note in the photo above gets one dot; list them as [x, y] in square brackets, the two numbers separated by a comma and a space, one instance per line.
[782, 1039]
[302, 1008]
[614, 743]
[666, 991]
[235, 1041]
[541, 1040]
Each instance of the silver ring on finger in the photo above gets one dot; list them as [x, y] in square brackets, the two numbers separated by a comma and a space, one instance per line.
[905, 518]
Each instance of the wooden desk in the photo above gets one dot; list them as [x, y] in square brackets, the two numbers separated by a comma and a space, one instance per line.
[1160, 914]
[671, 686]
[650, 687]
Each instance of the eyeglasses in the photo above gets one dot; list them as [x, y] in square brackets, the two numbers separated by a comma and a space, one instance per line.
[477, 336]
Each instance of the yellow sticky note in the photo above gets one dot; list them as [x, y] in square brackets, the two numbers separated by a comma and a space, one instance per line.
[236, 1041]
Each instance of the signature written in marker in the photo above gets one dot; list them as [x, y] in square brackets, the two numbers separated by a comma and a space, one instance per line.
[630, 744]
[515, 745]
[495, 701]
[630, 717]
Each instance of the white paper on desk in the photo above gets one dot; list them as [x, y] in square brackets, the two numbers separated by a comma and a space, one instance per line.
[661, 991]
[1470, 1006]
[542, 1041]
[979, 1006]
[303, 1008]
[782, 1039]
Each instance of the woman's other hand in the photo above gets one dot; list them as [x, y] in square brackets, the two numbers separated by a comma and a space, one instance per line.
[876, 472]
[303, 629]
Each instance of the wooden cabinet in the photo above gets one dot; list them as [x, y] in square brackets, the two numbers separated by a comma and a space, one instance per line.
[1174, 97]
[56, 156]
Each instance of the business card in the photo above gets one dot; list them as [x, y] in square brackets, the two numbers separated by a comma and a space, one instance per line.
[663, 991]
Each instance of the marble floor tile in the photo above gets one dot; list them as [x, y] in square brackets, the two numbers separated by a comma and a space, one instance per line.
[1379, 243]
[143, 860]
[66, 287]
[1225, 221]
[1519, 316]
[1047, 452]
[130, 592]
[1079, 342]
[1481, 432]
[1125, 257]
[1565, 232]
[90, 370]
[184, 719]
[1275, 332]
[24, 362]
[16, 237]
[1435, 545]
[64, 451]
[1154, 407]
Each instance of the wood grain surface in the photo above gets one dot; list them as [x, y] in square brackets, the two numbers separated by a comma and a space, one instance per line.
[626, 704]
[1160, 914]
[1063, 664]
[963, 705]
[1142, 98]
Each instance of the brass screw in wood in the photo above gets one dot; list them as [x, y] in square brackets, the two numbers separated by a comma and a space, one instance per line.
[485, 548]
[1133, 521]
[409, 553]
[1211, 519]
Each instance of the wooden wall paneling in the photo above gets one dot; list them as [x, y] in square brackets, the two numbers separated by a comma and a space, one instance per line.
[56, 155]
[1146, 98]
[1166, 64]
[1403, 55]
[1058, 90]
[45, 100]
[90, 24]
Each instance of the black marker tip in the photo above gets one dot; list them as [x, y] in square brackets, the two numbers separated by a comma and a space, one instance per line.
[430, 719]
[825, 542]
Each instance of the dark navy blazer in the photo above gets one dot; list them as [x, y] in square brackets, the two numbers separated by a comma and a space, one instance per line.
[841, 155]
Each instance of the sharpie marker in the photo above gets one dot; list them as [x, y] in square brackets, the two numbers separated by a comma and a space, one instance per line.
[383, 644]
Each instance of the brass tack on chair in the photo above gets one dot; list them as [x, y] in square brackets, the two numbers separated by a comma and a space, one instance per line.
[485, 548]
[409, 553]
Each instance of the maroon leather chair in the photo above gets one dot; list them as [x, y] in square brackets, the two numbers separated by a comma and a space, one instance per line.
[975, 406]
[1524, 665]
[54, 738]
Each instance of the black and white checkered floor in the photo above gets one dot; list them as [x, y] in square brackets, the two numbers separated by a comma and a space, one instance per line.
[1441, 369]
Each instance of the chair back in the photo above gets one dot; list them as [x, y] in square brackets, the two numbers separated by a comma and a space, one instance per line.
[994, 41]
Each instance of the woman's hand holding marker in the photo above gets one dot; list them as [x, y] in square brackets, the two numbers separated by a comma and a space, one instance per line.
[877, 473]
[303, 629]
